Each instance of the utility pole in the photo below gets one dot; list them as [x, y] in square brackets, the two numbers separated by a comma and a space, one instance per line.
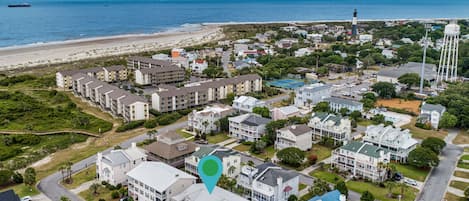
[425, 45]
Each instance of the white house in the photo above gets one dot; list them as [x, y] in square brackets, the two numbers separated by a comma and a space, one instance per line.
[309, 95]
[152, 181]
[303, 52]
[113, 167]
[198, 192]
[205, 121]
[315, 38]
[231, 160]
[399, 142]
[389, 54]
[247, 103]
[199, 65]
[431, 113]
[286, 43]
[335, 104]
[362, 160]
[284, 112]
[364, 38]
[249, 127]
[299, 136]
[326, 125]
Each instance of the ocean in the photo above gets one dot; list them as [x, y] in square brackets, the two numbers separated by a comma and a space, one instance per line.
[59, 20]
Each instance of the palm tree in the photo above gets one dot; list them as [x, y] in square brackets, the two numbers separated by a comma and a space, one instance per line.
[62, 171]
[94, 188]
[390, 185]
[403, 188]
[205, 124]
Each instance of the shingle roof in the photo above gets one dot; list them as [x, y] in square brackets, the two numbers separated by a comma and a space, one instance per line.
[363, 148]
[411, 67]
[115, 68]
[343, 101]
[432, 107]
[173, 150]
[150, 60]
[9, 195]
[198, 192]
[270, 175]
[289, 109]
[255, 120]
[132, 98]
[171, 68]
[115, 157]
[298, 129]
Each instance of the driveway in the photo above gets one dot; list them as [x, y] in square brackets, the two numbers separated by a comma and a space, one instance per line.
[225, 60]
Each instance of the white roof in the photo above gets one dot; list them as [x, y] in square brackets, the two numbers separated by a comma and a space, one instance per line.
[288, 109]
[135, 153]
[158, 175]
[389, 136]
[198, 192]
[248, 100]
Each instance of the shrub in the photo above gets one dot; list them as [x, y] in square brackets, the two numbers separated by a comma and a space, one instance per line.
[312, 159]
[115, 195]
[152, 123]
[291, 156]
[129, 126]
[167, 119]
[17, 178]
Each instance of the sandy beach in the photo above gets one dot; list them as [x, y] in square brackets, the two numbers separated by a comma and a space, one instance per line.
[19, 57]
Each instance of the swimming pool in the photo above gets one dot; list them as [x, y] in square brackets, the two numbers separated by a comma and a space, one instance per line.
[287, 83]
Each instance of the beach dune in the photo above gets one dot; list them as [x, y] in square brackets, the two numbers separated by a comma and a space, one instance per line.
[14, 58]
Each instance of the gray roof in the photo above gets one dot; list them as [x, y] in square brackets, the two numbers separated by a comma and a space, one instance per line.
[106, 88]
[118, 93]
[298, 129]
[222, 153]
[96, 83]
[204, 151]
[411, 67]
[150, 60]
[9, 195]
[255, 120]
[271, 174]
[328, 117]
[115, 68]
[78, 76]
[132, 98]
[163, 69]
[363, 148]
[115, 158]
[343, 101]
[432, 107]
[314, 88]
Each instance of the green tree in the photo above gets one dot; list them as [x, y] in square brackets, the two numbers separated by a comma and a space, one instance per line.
[292, 198]
[390, 185]
[466, 192]
[224, 124]
[291, 156]
[356, 115]
[384, 89]
[422, 157]
[343, 111]
[434, 144]
[94, 188]
[63, 198]
[322, 71]
[320, 187]
[271, 130]
[30, 176]
[378, 119]
[263, 111]
[230, 98]
[5, 177]
[367, 196]
[18, 178]
[409, 79]
[342, 188]
[321, 107]
[448, 120]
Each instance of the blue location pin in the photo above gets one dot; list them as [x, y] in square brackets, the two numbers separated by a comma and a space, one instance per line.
[210, 169]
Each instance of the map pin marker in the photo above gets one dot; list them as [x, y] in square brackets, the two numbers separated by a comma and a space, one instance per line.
[210, 169]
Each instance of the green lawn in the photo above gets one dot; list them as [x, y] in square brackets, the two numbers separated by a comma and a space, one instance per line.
[302, 186]
[459, 185]
[184, 134]
[466, 149]
[269, 152]
[465, 157]
[412, 172]
[461, 174]
[321, 151]
[453, 197]
[81, 177]
[242, 148]
[327, 176]
[381, 193]
[23, 190]
[217, 138]
[365, 122]
[103, 193]
[463, 165]
[306, 197]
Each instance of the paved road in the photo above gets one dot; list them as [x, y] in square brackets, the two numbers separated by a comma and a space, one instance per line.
[225, 60]
[437, 182]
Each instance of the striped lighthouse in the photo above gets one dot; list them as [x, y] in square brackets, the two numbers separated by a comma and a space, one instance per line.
[354, 23]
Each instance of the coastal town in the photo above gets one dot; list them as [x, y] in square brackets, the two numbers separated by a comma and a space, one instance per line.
[330, 111]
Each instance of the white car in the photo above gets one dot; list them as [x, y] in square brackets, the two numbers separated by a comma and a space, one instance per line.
[27, 198]
[410, 182]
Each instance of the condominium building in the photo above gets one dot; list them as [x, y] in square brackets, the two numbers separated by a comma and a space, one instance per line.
[299, 136]
[247, 103]
[115, 73]
[249, 127]
[431, 113]
[110, 98]
[231, 160]
[312, 94]
[105, 74]
[198, 192]
[161, 75]
[113, 167]
[169, 99]
[362, 160]
[398, 142]
[268, 182]
[137, 62]
[170, 148]
[152, 181]
[330, 126]
[205, 121]
[335, 104]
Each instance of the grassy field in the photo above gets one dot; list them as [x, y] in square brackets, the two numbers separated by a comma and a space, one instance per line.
[463, 165]
[217, 138]
[327, 176]
[465, 157]
[453, 197]
[459, 185]
[365, 122]
[321, 151]
[103, 193]
[411, 105]
[184, 134]
[302, 186]
[81, 177]
[462, 138]
[381, 193]
[412, 172]
[422, 133]
[269, 152]
[23, 190]
[242, 148]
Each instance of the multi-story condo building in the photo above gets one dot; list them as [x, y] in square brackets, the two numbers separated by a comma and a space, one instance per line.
[112, 99]
[330, 126]
[205, 121]
[309, 95]
[299, 136]
[169, 99]
[171, 149]
[161, 75]
[247, 103]
[105, 74]
[362, 160]
[152, 181]
[113, 167]
[267, 182]
[431, 113]
[284, 112]
[137, 62]
[198, 192]
[398, 142]
[249, 127]
[231, 160]
[335, 104]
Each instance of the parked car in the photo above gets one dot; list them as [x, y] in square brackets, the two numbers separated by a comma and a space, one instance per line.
[397, 176]
[27, 198]
[410, 182]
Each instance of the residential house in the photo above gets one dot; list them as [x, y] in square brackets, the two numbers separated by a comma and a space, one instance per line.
[335, 104]
[309, 95]
[152, 181]
[362, 160]
[299, 136]
[330, 126]
[248, 127]
[389, 54]
[205, 121]
[113, 167]
[268, 182]
[303, 52]
[231, 160]
[171, 149]
[302, 33]
[286, 43]
[177, 52]
[431, 113]
[160, 75]
[315, 38]
[289, 28]
[364, 38]
[202, 93]
[9, 195]
[199, 65]
[334, 195]
[198, 192]
[138, 62]
[247, 103]
[398, 142]
[284, 112]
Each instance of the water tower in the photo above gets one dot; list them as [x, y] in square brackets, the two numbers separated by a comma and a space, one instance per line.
[448, 66]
